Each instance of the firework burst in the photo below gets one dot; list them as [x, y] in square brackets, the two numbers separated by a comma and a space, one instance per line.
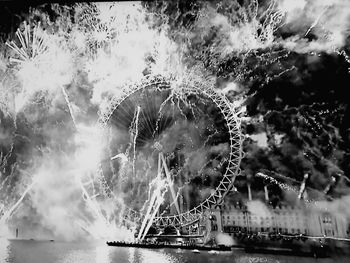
[32, 43]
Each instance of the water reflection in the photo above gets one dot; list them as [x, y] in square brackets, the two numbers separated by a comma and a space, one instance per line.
[76, 255]
[255, 259]
[102, 254]
[133, 255]
[31, 251]
[151, 256]
[4, 250]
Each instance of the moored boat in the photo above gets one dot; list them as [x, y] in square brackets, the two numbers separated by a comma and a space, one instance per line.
[162, 245]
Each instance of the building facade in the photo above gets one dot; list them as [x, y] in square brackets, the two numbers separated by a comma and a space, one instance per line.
[288, 220]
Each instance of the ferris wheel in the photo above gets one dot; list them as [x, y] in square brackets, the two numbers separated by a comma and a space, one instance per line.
[173, 151]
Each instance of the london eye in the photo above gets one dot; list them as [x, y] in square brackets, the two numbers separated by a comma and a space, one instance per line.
[173, 151]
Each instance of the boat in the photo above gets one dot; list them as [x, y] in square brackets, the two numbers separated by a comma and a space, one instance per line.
[163, 245]
[195, 251]
[213, 252]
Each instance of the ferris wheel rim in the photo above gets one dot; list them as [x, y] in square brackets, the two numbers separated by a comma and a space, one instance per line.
[235, 154]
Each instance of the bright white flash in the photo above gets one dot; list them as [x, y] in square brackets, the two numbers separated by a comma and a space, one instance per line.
[288, 6]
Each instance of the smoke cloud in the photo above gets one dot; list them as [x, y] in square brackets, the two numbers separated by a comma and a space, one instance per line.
[327, 21]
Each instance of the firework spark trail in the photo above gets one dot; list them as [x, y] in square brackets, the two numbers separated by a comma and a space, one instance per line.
[114, 172]
[124, 160]
[160, 114]
[160, 192]
[170, 98]
[269, 78]
[132, 134]
[65, 94]
[151, 185]
[178, 106]
[85, 227]
[346, 57]
[208, 162]
[203, 147]
[92, 204]
[273, 180]
[157, 197]
[317, 20]
[300, 182]
[209, 138]
[169, 180]
[13, 208]
[176, 196]
[7, 97]
[307, 201]
[147, 214]
[158, 203]
[6, 183]
[101, 221]
[4, 158]
[135, 133]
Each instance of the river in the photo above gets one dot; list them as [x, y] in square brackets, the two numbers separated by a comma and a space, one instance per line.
[31, 251]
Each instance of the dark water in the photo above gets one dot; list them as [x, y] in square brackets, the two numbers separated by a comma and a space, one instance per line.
[59, 252]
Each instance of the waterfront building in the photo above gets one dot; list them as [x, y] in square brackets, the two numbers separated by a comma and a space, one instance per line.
[233, 219]
[258, 217]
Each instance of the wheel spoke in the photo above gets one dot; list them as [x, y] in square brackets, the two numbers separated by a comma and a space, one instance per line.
[148, 96]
